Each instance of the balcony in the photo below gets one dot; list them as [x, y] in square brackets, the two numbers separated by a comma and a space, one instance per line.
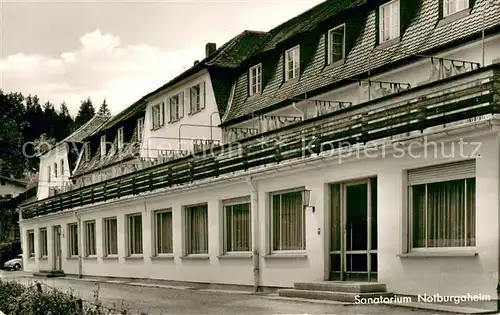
[273, 122]
[460, 99]
[327, 107]
[200, 145]
[237, 134]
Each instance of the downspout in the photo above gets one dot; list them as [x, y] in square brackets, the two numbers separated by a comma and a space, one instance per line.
[303, 113]
[254, 205]
[80, 230]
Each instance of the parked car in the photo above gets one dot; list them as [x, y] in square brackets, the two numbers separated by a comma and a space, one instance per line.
[14, 264]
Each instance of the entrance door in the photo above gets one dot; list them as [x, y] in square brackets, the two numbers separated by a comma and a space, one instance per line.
[353, 238]
[57, 261]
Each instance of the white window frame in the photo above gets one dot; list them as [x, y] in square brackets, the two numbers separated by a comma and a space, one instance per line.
[103, 146]
[271, 221]
[175, 108]
[55, 169]
[73, 251]
[120, 136]
[195, 103]
[90, 238]
[330, 43]
[393, 30]
[295, 70]
[30, 236]
[140, 129]
[43, 243]
[62, 167]
[131, 234]
[451, 7]
[108, 247]
[157, 248]
[188, 229]
[255, 79]
[230, 203]
[156, 116]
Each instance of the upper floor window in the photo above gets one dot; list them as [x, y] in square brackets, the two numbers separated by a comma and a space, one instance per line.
[389, 21]
[453, 6]
[255, 82]
[140, 128]
[195, 99]
[176, 107]
[157, 115]
[49, 171]
[62, 167]
[87, 151]
[336, 44]
[55, 169]
[119, 137]
[103, 146]
[292, 63]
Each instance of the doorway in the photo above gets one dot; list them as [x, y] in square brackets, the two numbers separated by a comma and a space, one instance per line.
[57, 258]
[353, 231]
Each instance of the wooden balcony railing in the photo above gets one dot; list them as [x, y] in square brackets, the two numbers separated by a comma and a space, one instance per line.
[200, 145]
[450, 101]
[236, 134]
[327, 107]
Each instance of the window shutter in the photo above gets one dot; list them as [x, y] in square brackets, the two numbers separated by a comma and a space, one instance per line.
[162, 114]
[181, 104]
[188, 101]
[442, 172]
[203, 97]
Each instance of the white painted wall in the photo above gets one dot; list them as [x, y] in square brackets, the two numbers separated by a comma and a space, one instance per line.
[9, 189]
[166, 138]
[450, 275]
[58, 153]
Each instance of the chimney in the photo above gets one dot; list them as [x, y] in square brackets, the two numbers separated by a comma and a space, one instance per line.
[196, 62]
[210, 48]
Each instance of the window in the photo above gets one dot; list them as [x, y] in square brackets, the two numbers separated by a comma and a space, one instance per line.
[103, 146]
[43, 243]
[55, 170]
[197, 229]
[73, 239]
[134, 231]
[453, 6]
[442, 205]
[62, 167]
[87, 151]
[31, 243]
[140, 128]
[163, 232]
[255, 79]
[237, 226]
[157, 115]
[119, 137]
[49, 173]
[110, 237]
[389, 21]
[90, 248]
[336, 44]
[176, 106]
[287, 222]
[195, 99]
[292, 63]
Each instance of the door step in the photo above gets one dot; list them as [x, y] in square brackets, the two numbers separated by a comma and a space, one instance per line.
[350, 297]
[342, 286]
[49, 274]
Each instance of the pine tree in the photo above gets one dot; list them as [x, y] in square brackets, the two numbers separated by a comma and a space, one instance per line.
[65, 123]
[85, 113]
[104, 109]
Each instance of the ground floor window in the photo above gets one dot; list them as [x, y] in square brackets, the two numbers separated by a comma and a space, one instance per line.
[443, 212]
[73, 239]
[110, 236]
[287, 221]
[163, 232]
[90, 244]
[134, 233]
[43, 243]
[31, 243]
[196, 227]
[237, 226]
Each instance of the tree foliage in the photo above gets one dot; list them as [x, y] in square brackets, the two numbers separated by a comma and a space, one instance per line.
[85, 113]
[104, 109]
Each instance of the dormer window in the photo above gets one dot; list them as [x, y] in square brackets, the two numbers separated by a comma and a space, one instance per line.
[55, 169]
[103, 146]
[292, 63]
[87, 151]
[140, 128]
[389, 25]
[119, 137]
[255, 82]
[453, 6]
[336, 44]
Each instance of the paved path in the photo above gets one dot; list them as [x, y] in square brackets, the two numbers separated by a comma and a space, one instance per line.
[153, 300]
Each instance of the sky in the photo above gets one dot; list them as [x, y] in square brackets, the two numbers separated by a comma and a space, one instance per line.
[66, 50]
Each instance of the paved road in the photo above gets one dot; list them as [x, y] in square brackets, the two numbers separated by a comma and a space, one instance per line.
[153, 300]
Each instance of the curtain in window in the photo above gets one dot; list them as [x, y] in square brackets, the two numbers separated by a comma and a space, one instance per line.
[238, 228]
[164, 232]
[336, 225]
[111, 237]
[135, 234]
[288, 222]
[197, 229]
[90, 241]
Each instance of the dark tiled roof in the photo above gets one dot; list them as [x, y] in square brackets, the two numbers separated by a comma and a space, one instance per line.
[138, 108]
[87, 129]
[13, 181]
[421, 36]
